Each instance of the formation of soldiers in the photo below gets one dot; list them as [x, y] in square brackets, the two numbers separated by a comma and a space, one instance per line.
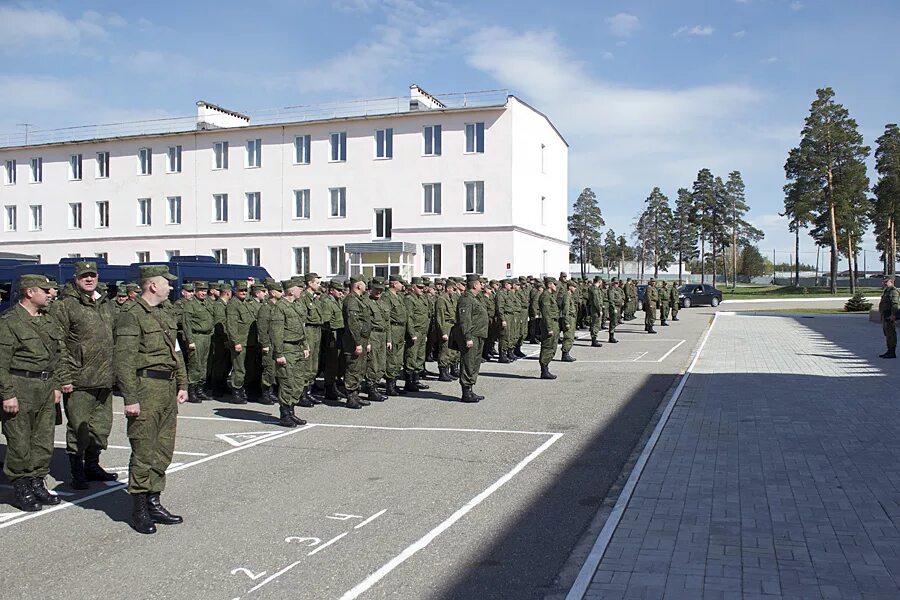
[263, 341]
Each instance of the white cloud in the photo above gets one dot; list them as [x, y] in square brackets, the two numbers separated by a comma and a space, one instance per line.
[695, 30]
[770, 60]
[606, 55]
[739, 34]
[623, 24]
[37, 93]
[44, 30]
[796, 5]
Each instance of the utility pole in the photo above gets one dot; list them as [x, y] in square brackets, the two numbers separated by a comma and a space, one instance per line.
[774, 268]
[26, 126]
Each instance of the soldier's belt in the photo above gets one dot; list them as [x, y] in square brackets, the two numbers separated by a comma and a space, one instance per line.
[312, 324]
[42, 375]
[292, 343]
[152, 374]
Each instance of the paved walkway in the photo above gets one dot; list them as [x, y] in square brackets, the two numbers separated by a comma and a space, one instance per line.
[777, 474]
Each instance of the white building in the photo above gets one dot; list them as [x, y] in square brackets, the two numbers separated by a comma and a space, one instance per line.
[467, 183]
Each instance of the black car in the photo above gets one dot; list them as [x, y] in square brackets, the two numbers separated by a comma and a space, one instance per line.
[693, 294]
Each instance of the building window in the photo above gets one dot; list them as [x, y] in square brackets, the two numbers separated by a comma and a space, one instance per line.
[10, 172]
[432, 255]
[74, 254]
[75, 163]
[251, 256]
[301, 149]
[301, 260]
[103, 255]
[170, 254]
[337, 261]
[431, 204]
[220, 208]
[384, 143]
[543, 210]
[102, 165]
[254, 154]
[220, 155]
[12, 219]
[37, 217]
[338, 202]
[142, 256]
[37, 170]
[75, 215]
[220, 255]
[383, 222]
[474, 138]
[432, 140]
[254, 207]
[173, 212]
[145, 161]
[301, 204]
[474, 196]
[102, 221]
[173, 162]
[145, 207]
[474, 258]
[339, 146]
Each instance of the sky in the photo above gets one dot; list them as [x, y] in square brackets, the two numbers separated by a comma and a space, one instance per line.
[646, 93]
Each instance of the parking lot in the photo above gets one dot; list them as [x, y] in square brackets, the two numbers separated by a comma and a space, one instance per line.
[421, 496]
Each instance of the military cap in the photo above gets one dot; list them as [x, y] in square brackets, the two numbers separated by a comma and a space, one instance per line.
[132, 287]
[377, 283]
[522, 279]
[416, 281]
[310, 276]
[563, 275]
[150, 271]
[35, 281]
[336, 284]
[201, 285]
[439, 281]
[426, 281]
[257, 287]
[472, 278]
[549, 280]
[651, 280]
[614, 280]
[596, 278]
[102, 286]
[85, 266]
[285, 284]
[572, 283]
[121, 292]
[240, 285]
[187, 286]
[354, 280]
[297, 281]
[226, 287]
[271, 284]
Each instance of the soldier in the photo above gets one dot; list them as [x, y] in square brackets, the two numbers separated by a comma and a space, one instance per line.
[651, 301]
[674, 300]
[263, 322]
[311, 313]
[521, 316]
[379, 340]
[549, 326]
[332, 334]
[220, 353]
[664, 296]
[121, 298]
[472, 323]
[132, 289]
[86, 374]
[505, 314]
[30, 343]
[445, 318]
[534, 308]
[239, 320]
[630, 299]
[615, 300]
[187, 292]
[594, 309]
[399, 318]
[151, 376]
[889, 306]
[568, 320]
[416, 332]
[287, 339]
[197, 324]
[358, 317]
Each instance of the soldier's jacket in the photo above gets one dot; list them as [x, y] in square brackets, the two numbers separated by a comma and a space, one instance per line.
[417, 313]
[28, 344]
[310, 308]
[504, 305]
[399, 316]
[239, 321]
[595, 300]
[145, 339]
[381, 317]
[332, 312]
[197, 318]
[534, 307]
[358, 317]
[87, 353]
[651, 297]
[673, 295]
[445, 312]
[563, 298]
[571, 312]
[178, 308]
[549, 309]
[490, 305]
[890, 302]
[615, 297]
[664, 296]
[217, 307]
[522, 298]
[285, 328]
[472, 317]
[630, 291]
[263, 321]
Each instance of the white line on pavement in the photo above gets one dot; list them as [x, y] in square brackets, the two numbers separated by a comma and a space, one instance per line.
[395, 562]
[448, 429]
[370, 519]
[62, 443]
[666, 355]
[585, 575]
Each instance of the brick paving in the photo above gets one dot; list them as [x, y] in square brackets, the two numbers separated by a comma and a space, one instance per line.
[777, 474]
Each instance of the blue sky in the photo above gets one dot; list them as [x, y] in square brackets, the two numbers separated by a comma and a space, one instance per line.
[646, 93]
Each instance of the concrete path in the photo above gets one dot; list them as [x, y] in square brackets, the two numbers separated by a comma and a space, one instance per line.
[776, 475]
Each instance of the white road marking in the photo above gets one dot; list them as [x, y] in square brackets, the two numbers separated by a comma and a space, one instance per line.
[248, 573]
[449, 429]
[378, 575]
[343, 517]
[7, 486]
[370, 519]
[586, 574]
[295, 538]
[63, 443]
[239, 439]
[7, 516]
[666, 355]
[639, 356]
[328, 543]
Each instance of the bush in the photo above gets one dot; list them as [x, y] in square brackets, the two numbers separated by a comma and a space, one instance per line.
[857, 304]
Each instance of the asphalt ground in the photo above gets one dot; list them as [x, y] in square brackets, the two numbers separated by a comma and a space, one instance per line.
[419, 497]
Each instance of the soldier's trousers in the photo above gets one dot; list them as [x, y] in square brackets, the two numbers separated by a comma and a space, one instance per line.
[239, 366]
[548, 347]
[334, 359]
[447, 357]
[890, 332]
[630, 308]
[663, 312]
[506, 334]
[219, 361]
[29, 433]
[596, 321]
[311, 365]
[152, 435]
[613, 322]
[569, 334]
[290, 375]
[377, 357]
[394, 363]
[522, 325]
[675, 308]
[356, 369]
[198, 359]
[470, 362]
[89, 419]
[267, 378]
[414, 358]
[649, 315]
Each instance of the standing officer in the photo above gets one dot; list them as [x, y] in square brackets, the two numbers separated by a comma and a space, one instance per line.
[358, 317]
[187, 292]
[630, 299]
[311, 313]
[445, 319]
[534, 307]
[472, 321]
[651, 301]
[151, 376]
[569, 319]
[674, 300]
[379, 340]
[263, 321]
[615, 300]
[287, 337]
[197, 323]
[889, 306]
[416, 332]
[664, 297]
[332, 333]
[239, 320]
[594, 308]
[522, 317]
[549, 326]
[86, 374]
[220, 354]
[399, 318]
[505, 315]
[30, 343]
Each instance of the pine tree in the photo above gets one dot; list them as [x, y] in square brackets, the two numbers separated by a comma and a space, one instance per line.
[799, 199]
[611, 250]
[584, 226]
[684, 230]
[886, 204]
[742, 232]
[703, 200]
[656, 230]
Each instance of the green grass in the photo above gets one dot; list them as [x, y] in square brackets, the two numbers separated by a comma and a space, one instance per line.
[749, 292]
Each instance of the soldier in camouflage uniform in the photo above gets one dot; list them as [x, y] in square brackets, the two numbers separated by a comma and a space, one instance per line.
[311, 313]
[220, 354]
[651, 302]
[521, 316]
[664, 297]
[287, 337]
[472, 324]
[631, 299]
[445, 317]
[416, 333]
[506, 312]
[197, 324]
[594, 308]
[263, 321]
[889, 307]
[615, 300]
[674, 300]
[240, 319]
[569, 319]
[358, 317]
[534, 309]
[379, 340]
[187, 292]
[332, 334]
[549, 308]
[399, 318]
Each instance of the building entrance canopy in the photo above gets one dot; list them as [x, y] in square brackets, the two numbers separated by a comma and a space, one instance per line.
[381, 259]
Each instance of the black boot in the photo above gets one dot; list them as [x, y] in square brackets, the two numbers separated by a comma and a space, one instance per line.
[238, 396]
[390, 387]
[25, 498]
[478, 396]
[158, 512]
[891, 353]
[268, 397]
[517, 351]
[612, 340]
[675, 318]
[566, 357]
[454, 370]
[305, 401]
[353, 400]
[140, 515]
[444, 374]
[374, 394]
[663, 323]
[332, 393]
[92, 469]
[467, 395]
[595, 343]
[504, 358]
[410, 385]
[511, 356]
[310, 396]
[193, 398]
[651, 330]
[42, 494]
[285, 419]
[76, 466]
[201, 392]
[545, 372]
[419, 386]
[294, 417]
